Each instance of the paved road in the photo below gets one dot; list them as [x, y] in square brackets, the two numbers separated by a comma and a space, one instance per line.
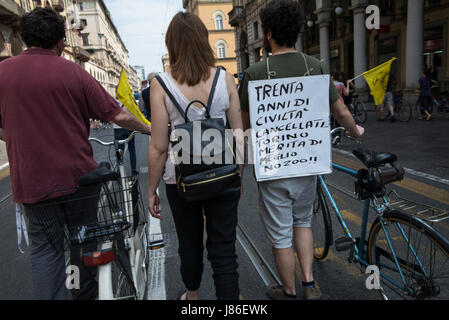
[421, 147]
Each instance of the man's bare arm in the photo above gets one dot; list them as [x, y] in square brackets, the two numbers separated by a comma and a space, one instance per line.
[125, 119]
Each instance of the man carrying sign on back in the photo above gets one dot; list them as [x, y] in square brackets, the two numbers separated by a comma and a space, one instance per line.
[287, 204]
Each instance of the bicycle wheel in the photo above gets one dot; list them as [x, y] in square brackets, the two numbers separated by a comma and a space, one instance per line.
[421, 252]
[404, 111]
[361, 113]
[322, 226]
[122, 282]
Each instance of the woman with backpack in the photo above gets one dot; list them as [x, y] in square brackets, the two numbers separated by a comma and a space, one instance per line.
[194, 90]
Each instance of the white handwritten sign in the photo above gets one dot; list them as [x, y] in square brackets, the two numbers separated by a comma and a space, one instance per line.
[290, 118]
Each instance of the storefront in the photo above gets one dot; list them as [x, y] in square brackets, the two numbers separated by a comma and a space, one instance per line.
[387, 49]
[434, 51]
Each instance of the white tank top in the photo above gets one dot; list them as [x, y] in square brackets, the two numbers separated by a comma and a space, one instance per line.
[220, 105]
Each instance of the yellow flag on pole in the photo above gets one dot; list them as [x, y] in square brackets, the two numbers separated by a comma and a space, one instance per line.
[125, 95]
[377, 80]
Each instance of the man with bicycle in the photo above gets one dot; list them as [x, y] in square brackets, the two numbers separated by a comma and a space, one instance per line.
[45, 107]
[286, 206]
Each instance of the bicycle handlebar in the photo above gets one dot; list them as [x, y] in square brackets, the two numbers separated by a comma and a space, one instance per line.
[335, 131]
[120, 142]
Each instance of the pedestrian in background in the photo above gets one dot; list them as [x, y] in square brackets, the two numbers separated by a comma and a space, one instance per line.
[191, 75]
[144, 99]
[45, 107]
[424, 101]
[286, 205]
[123, 134]
[388, 101]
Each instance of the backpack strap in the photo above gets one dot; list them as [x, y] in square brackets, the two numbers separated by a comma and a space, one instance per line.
[212, 91]
[170, 95]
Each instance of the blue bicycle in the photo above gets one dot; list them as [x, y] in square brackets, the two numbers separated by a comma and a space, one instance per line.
[411, 256]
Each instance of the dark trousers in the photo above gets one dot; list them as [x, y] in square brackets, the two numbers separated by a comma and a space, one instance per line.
[122, 134]
[46, 232]
[221, 223]
[424, 103]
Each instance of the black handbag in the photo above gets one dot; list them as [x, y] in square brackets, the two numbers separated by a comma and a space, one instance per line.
[196, 180]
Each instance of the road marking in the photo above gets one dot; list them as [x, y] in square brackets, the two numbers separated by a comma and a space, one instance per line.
[156, 274]
[5, 173]
[407, 170]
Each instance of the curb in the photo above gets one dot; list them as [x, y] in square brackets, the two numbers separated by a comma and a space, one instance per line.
[4, 167]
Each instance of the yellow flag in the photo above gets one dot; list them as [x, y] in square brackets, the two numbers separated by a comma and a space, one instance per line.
[377, 79]
[125, 95]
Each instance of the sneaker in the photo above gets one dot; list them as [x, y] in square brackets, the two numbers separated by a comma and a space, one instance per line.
[393, 119]
[276, 292]
[312, 293]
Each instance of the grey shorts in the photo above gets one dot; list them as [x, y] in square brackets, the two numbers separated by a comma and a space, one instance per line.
[389, 99]
[284, 205]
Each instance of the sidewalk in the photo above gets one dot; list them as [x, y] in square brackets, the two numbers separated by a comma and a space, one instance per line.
[3, 154]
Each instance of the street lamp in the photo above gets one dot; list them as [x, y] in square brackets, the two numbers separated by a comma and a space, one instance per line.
[338, 10]
[310, 22]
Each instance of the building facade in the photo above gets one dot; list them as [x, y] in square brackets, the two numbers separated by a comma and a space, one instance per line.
[92, 39]
[102, 40]
[415, 31]
[221, 33]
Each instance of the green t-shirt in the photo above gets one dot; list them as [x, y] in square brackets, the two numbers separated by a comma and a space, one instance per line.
[288, 65]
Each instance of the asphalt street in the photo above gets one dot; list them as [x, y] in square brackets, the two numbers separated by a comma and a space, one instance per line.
[422, 147]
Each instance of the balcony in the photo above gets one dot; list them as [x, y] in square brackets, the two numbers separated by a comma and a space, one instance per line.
[81, 54]
[236, 16]
[10, 13]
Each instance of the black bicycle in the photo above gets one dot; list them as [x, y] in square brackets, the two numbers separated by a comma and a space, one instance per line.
[358, 110]
[402, 109]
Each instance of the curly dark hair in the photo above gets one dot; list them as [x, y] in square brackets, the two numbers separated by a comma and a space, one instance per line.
[283, 18]
[42, 28]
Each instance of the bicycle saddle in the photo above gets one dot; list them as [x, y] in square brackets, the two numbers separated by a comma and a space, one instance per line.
[373, 159]
[102, 174]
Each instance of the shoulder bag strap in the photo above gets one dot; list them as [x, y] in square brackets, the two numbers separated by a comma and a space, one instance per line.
[212, 91]
[170, 95]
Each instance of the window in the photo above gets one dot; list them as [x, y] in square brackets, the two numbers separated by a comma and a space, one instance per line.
[221, 51]
[85, 39]
[81, 6]
[256, 30]
[219, 25]
[83, 22]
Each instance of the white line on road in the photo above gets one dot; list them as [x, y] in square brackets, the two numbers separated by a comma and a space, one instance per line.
[409, 171]
[156, 274]
[5, 166]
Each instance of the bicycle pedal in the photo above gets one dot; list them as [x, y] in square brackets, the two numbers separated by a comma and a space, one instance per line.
[344, 244]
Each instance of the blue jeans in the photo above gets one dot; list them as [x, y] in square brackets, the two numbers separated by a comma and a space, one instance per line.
[122, 134]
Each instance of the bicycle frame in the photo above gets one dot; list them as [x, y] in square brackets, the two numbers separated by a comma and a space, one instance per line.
[105, 291]
[360, 253]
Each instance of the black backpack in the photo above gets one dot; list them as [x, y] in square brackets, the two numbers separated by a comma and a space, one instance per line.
[198, 181]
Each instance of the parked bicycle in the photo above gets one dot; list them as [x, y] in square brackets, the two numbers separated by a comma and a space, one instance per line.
[412, 257]
[358, 110]
[402, 109]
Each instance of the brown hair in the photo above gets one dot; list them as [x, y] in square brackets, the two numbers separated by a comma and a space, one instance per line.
[190, 54]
